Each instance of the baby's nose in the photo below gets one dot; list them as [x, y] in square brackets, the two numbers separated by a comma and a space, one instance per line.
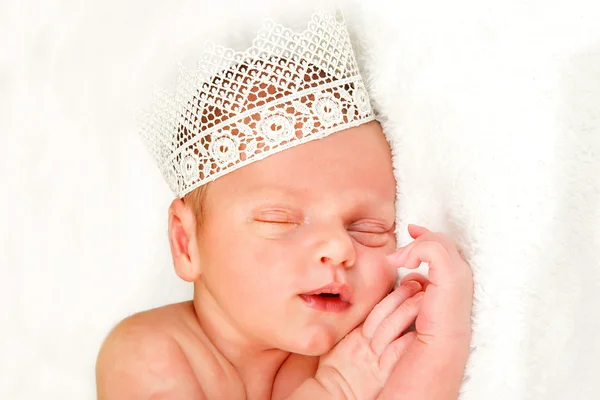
[337, 250]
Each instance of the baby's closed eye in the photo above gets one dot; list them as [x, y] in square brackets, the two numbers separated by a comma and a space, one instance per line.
[276, 217]
[370, 235]
[273, 222]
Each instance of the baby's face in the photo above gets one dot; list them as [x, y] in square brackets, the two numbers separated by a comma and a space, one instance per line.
[316, 217]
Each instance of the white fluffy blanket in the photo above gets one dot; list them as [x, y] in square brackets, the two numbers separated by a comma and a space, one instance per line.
[493, 109]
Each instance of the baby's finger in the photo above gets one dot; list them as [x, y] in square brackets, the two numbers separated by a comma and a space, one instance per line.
[394, 351]
[393, 326]
[425, 234]
[442, 268]
[416, 230]
[387, 306]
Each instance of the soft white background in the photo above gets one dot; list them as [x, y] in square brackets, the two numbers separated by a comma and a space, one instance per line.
[493, 109]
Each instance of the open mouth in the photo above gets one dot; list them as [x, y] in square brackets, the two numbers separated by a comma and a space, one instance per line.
[329, 295]
[330, 298]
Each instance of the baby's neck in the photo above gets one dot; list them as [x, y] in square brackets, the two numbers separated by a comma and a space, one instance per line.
[256, 365]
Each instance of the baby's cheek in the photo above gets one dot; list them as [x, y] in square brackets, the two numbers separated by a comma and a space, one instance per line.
[378, 276]
[385, 278]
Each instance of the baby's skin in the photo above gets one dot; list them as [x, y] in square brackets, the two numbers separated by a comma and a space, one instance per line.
[293, 263]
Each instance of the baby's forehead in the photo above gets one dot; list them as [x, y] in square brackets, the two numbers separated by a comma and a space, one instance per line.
[322, 167]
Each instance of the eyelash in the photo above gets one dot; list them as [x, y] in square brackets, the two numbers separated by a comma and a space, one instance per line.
[380, 238]
[281, 223]
[278, 218]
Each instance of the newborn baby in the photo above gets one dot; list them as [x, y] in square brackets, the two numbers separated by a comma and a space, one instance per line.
[285, 223]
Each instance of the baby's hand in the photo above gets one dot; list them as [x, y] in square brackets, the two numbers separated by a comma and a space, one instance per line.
[433, 365]
[446, 309]
[360, 364]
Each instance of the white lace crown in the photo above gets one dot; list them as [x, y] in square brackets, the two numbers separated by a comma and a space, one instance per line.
[239, 107]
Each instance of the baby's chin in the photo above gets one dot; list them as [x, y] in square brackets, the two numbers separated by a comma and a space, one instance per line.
[315, 341]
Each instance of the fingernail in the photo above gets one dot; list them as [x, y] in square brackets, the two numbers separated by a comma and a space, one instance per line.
[413, 285]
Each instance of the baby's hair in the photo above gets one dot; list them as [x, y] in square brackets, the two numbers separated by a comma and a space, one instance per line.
[196, 200]
[263, 87]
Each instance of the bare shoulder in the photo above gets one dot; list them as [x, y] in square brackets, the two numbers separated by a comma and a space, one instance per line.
[151, 355]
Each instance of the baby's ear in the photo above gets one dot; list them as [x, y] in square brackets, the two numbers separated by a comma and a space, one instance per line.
[182, 239]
